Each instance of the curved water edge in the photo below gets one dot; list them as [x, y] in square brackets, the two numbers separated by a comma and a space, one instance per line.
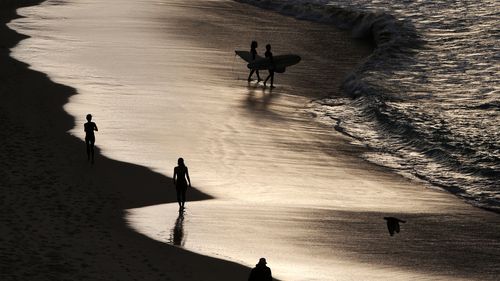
[333, 226]
[426, 101]
[75, 214]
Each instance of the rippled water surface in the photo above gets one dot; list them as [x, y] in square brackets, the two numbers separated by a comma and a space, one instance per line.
[427, 100]
[161, 81]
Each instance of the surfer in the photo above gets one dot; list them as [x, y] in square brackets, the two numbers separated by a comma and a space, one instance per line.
[180, 175]
[89, 129]
[253, 52]
[269, 55]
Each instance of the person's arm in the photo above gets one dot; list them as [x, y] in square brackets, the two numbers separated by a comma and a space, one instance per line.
[95, 127]
[187, 176]
[175, 175]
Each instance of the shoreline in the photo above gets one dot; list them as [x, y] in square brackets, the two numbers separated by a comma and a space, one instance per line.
[395, 35]
[126, 199]
[65, 220]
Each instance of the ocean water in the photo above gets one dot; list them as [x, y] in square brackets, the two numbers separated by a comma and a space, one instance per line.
[159, 78]
[427, 100]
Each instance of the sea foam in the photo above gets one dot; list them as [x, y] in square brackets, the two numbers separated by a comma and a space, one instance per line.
[426, 100]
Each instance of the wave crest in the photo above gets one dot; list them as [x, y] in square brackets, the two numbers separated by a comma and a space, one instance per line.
[390, 102]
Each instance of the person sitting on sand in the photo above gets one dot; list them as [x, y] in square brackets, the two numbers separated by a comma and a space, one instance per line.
[180, 175]
[89, 129]
[253, 52]
[269, 55]
[261, 272]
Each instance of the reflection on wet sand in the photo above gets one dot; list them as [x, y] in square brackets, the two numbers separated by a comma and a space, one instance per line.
[258, 98]
[286, 189]
[177, 232]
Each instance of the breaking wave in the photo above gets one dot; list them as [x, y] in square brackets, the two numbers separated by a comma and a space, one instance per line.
[426, 101]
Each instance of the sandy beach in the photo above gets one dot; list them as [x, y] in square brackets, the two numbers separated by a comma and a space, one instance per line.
[269, 180]
[62, 219]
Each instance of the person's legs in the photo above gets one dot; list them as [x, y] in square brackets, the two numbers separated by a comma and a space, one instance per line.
[92, 141]
[179, 194]
[258, 76]
[184, 196]
[87, 144]
[267, 78]
[272, 78]
[250, 75]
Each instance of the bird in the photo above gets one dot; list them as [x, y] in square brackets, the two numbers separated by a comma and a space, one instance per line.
[393, 224]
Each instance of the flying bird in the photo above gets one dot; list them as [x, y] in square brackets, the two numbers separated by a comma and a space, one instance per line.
[393, 224]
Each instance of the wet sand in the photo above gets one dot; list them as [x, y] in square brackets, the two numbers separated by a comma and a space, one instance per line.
[285, 187]
[62, 219]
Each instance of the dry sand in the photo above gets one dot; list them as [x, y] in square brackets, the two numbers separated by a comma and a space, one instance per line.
[66, 218]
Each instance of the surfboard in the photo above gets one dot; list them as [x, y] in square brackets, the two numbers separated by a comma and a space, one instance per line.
[279, 62]
[247, 56]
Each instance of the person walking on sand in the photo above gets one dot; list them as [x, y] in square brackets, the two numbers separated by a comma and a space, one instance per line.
[89, 129]
[180, 175]
[269, 55]
[261, 272]
[253, 52]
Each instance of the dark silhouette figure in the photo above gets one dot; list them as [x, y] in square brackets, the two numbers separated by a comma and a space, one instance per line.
[261, 272]
[89, 129]
[180, 175]
[393, 224]
[253, 51]
[269, 55]
[177, 234]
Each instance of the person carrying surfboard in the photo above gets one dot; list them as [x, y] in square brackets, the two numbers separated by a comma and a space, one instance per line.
[253, 52]
[269, 55]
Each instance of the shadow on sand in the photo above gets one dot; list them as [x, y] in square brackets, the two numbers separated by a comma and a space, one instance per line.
[72, 227]
[76, 217]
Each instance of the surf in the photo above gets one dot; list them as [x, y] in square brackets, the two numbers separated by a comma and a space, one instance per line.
[410, 102]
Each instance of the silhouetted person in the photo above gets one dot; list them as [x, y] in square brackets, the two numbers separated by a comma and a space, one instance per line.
[253, 52]
[393, 224]
[261, 272]
[180, 175]
[89, 129]
[269, 55]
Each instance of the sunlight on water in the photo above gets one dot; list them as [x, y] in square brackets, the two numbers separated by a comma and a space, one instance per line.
[285, 187]
[428, 95]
